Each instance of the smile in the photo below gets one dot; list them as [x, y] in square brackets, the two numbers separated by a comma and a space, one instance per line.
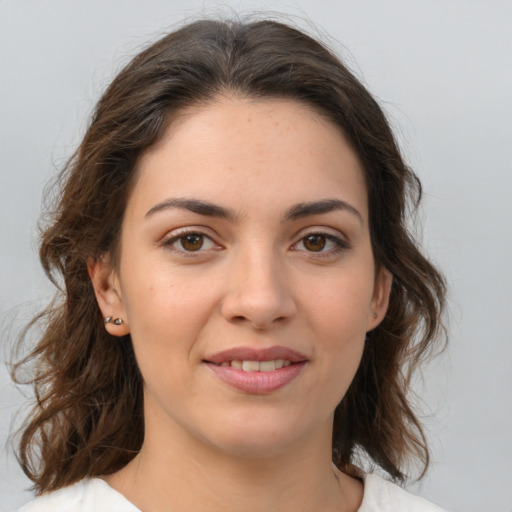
[257, 366]
[247, 358]
[257, 371]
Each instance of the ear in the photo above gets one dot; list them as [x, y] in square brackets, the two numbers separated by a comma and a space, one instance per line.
[107, 290]
[380, 299]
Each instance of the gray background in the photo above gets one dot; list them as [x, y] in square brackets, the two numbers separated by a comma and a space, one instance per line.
[442, 70]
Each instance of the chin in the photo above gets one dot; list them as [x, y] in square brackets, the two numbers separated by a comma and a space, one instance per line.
[250, 437]
[255, 445]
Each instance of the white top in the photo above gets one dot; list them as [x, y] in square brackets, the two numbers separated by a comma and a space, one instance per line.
[95, 495]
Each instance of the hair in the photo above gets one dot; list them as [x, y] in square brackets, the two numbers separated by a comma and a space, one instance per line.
[88, 416]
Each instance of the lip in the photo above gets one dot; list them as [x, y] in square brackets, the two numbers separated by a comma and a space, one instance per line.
[256, 354]
[256, 383]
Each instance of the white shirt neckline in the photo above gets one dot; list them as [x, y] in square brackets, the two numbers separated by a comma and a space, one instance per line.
[96, 495]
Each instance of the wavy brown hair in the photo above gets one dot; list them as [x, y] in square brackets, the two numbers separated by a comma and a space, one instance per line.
[88, 415]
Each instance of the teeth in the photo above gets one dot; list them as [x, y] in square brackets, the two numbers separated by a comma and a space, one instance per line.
[267, 366]
[257, 366]
[251, 366]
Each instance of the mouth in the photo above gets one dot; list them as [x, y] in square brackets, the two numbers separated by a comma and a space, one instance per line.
[257, 371]
[247, 358]
[257, 366]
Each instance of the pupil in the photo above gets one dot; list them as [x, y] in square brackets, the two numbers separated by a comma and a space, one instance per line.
[192, 242]
[314, 242]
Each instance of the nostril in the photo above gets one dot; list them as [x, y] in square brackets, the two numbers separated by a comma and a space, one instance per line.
[261, 309]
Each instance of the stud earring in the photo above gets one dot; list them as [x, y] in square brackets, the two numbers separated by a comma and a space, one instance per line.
[375, 315]
[111, 320]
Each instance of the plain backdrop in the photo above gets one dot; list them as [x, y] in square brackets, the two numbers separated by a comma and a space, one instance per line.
[441, 69]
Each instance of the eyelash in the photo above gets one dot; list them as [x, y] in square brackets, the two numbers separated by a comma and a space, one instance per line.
[341, 245]
[181, 235]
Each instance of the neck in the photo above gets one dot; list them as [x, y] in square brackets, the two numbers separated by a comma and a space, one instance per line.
[194, 476]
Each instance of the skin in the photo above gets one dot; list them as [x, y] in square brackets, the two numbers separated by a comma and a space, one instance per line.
[257, 281]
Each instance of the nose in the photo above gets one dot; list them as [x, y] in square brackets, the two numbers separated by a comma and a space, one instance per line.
[259, 293]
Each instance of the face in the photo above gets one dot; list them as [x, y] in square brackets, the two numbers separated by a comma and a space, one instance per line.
[246, 276]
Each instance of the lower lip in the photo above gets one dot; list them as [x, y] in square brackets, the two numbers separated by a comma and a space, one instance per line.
[257, 383]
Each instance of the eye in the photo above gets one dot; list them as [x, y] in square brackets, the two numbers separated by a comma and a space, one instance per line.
[323, 243]
[314, 243]
[191, 242]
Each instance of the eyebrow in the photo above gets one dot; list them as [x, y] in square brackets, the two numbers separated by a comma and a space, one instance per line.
[297, 211]
[301, 210]
[194, 205]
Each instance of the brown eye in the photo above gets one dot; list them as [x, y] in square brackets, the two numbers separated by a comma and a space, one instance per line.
[314, 243]
[192, 242]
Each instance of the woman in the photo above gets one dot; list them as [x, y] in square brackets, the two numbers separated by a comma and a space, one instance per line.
[242, 303]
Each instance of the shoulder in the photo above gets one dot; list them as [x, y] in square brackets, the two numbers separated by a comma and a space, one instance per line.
[383, 496]
[88, 495]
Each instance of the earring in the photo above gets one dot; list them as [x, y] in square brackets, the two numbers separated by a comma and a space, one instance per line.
[111, 320]
[375, 315]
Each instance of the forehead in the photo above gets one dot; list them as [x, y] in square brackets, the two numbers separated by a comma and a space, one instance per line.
[235, 149]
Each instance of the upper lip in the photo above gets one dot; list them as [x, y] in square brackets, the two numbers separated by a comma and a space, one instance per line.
[256, 354]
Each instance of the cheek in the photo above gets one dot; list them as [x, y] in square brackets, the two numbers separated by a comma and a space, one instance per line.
[165, 325]
[165, 313]
[338, 324]
[342, 305]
